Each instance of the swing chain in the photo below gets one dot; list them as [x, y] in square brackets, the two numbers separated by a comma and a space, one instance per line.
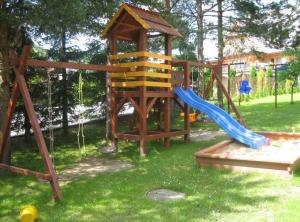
[50, 117]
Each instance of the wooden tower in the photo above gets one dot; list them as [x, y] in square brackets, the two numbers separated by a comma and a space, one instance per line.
[147, 83]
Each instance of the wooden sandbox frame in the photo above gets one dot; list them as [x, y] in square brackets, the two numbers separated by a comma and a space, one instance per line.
[208, 157]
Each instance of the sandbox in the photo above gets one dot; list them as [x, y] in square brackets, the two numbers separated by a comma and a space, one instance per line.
[281, 156]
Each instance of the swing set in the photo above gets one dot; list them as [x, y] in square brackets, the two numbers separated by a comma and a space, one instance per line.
[20, 88]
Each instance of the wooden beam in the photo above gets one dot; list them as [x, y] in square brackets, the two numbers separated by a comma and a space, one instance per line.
[135, 105]
[238, 114]
[144, 64]
[140, 83]
[70, 65]
[151, 104]
[140, 74]
[25, 172]
[141, 54]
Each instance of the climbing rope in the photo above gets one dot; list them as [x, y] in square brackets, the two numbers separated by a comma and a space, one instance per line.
[50, 117]
[80, 131]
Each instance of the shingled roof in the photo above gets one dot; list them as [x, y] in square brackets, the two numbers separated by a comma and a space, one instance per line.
[129, 19]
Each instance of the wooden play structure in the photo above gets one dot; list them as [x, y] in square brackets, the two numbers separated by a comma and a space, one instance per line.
[148, 84]
[142, 78]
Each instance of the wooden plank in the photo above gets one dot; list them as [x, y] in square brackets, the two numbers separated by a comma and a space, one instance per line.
[150, 105]
[215, 147]
[140, 74]
[141, 54]
[25, 172]
[126, 93]
[219, 162]
[128, 136]
[280, 135]
[160, 94]
[140, 83]
[70, 65]
[162, 134]
[143, 63]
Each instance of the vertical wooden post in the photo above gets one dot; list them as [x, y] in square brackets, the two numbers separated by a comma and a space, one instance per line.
[114, 115]
[168, 51]
[276, 85]
[21, 86]
[186, 107]
[142, 46]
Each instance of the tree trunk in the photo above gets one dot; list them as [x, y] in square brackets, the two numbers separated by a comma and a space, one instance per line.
[292, 92]
[4, 85]
[108, 101]
[65, 122]
[220, 49]
[200, 47]
[27, 126]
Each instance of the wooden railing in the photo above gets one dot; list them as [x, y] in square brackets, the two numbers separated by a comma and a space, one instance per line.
[153, 74]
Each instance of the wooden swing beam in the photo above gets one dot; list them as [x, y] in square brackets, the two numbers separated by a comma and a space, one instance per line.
[20, 88]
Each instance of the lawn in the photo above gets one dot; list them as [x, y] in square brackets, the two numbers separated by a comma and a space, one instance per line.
[211, 195]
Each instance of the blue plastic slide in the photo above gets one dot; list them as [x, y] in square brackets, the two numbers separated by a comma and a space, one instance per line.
[233, 128]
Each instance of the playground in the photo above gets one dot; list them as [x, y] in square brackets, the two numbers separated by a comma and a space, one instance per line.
[121, 196]
[180, 153]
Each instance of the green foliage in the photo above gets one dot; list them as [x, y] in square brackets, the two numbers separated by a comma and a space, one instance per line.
[232, 72]
[253, 72]
[269, 72]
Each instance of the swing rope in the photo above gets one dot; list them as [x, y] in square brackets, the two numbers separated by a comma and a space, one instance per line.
[80, 131]
[50, 118]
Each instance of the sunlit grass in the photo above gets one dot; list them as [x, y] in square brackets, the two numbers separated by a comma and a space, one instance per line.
[211, 195]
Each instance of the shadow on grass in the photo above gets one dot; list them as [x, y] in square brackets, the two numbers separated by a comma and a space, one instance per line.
[121, 196]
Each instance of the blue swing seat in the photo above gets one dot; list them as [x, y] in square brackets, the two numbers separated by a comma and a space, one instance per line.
[244, 87]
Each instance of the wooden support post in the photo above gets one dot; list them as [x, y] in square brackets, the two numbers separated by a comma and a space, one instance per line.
[168, 52]
[220, 84]
[20, 86]
[142, 46]
[186, 107]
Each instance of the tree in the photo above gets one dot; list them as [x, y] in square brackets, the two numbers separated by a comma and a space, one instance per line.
[14, 18]
[293, 70]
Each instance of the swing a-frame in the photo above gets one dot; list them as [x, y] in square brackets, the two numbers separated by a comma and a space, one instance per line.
[20, 89]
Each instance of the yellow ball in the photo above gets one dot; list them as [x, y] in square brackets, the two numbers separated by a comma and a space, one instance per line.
[28, 214]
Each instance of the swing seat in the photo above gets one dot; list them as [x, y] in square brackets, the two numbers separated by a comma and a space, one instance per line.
[192, 117]
[244, 87]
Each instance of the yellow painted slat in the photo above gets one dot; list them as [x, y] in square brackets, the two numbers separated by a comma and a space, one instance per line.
[141, 54]
[141, 83]
[140, 74]
[143, 63]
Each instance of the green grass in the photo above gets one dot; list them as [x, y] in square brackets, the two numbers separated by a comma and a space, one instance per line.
[212, 195]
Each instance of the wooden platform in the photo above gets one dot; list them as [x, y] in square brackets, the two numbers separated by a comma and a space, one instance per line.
[281, 156]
